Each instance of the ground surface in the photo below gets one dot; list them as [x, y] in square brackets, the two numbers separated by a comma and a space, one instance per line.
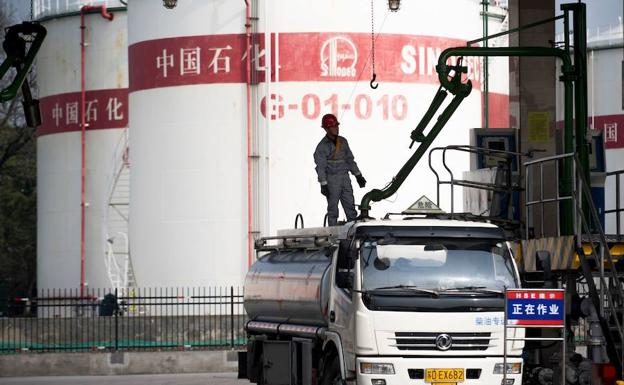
[150, 379]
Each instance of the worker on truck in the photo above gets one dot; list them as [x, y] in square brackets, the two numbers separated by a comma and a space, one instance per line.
[334, 160]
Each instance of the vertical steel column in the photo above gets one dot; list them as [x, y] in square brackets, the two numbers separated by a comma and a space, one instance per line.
[232, 316]
[566, 186]
[486, 72]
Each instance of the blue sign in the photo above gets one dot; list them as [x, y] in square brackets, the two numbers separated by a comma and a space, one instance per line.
[535, 307]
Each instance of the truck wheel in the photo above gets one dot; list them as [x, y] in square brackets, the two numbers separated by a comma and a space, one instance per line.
[331, 372]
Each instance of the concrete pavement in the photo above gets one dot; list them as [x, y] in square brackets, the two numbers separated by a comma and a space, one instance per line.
[150, 379]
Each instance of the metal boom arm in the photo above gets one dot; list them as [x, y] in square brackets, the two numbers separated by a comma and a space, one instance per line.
[18, 56]
[460, 90]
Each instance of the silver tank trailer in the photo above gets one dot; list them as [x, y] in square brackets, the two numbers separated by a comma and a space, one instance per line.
[289, 286]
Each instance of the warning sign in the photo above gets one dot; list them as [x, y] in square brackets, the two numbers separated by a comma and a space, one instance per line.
[423, 205]
[539, 127]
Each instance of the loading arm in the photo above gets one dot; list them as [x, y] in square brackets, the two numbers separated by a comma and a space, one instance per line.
[21, 44]
[461, 90]
[454, 86]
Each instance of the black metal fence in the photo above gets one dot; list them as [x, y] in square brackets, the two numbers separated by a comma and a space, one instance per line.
[132, 319]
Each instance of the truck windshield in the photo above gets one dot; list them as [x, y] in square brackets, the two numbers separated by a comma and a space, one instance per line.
[444, 264]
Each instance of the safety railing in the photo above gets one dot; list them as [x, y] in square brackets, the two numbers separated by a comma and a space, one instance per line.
[588, 231]
[500, 187]
[105, 320]
[542, 200]
[617, 175]
[610, 300]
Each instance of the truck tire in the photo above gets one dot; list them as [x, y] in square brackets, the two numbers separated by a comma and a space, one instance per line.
[331, 371]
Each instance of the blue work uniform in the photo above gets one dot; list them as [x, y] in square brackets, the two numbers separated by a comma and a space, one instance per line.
[334, 161]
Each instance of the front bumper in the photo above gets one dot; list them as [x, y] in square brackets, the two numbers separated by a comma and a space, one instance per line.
[403, 365]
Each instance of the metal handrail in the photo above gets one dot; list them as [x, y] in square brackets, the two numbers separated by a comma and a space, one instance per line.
[618, 207]
[583, 187]
[502, 154]
[542, 201]
[585, 222]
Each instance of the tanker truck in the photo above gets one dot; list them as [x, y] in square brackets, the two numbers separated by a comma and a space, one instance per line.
[404, 300]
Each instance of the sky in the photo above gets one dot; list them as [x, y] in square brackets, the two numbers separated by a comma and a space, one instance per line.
[599, 12]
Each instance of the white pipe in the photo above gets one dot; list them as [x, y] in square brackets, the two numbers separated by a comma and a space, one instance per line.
[269, 103]
[593, 81]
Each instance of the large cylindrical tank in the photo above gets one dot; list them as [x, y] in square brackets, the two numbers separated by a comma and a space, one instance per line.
[59, 138]
[604, 53]
[190, 197]
[289, 286]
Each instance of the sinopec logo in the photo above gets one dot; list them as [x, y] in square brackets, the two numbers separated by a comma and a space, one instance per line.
[338, 57]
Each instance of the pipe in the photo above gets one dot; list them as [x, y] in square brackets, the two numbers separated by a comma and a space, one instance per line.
[249, 151]
[83, 135]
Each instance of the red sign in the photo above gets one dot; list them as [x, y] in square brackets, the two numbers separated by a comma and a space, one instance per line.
[104, 109]
[296, 57]
[612, 127]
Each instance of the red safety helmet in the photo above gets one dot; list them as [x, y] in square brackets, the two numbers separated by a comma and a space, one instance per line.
[329, 120]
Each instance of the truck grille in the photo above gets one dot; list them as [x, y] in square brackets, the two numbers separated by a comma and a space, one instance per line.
[427, 341]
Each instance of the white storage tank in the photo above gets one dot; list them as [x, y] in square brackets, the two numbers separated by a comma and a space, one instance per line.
[605, 106]
[59, 151]
[192, 194]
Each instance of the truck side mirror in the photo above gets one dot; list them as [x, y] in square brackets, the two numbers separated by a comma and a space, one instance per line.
[346, 255]
[344, 279]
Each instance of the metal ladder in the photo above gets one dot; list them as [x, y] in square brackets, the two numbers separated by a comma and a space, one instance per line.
[117, 253]
[605, 288]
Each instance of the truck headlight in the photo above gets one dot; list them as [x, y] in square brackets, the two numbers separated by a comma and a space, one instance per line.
[376, 368]
[512, 368]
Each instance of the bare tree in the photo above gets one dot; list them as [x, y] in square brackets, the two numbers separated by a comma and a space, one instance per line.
[17, 187]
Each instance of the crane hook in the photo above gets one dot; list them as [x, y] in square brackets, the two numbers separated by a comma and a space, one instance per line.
[373, 80]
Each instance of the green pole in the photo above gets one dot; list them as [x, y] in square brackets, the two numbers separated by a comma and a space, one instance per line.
[566, 186]
[486, 72]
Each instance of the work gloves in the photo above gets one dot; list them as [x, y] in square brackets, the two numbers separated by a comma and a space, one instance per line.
[360, 180]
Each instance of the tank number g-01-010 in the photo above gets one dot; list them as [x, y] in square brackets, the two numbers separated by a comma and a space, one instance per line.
[390, 107]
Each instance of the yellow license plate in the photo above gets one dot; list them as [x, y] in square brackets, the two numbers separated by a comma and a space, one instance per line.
[444, 375]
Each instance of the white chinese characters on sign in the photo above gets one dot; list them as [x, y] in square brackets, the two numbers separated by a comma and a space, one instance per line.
[530, 309]
[189, 61]
[57, 114]
[164, 61]
[610, 130]
[258, 54]
[71, 113]
[92, 110]
[114, 109]
[219, 63]
[532, 295]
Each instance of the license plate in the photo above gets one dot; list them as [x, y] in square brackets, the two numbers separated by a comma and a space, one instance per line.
[444, 375]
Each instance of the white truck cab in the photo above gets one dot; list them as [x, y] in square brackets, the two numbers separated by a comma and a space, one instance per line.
[383, 302]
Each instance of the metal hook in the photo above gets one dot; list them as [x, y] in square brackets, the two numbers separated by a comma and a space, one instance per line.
[374, 86]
